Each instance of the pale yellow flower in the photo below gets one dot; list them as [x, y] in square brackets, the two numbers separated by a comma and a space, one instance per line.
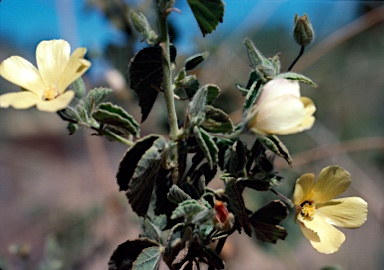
[318, 212]
[44, 87]
[280, 110]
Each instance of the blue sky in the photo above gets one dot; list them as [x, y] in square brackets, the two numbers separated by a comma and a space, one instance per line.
[25, 23]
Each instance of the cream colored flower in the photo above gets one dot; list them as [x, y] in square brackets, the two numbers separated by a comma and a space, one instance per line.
[44, 88]
[318, 212]
[280, 110]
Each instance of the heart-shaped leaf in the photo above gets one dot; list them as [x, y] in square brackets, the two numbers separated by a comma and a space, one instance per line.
[148, 259]
[208, 13]
[126, 253]
[237, 205]
[95, 97]
[138, 171]
[146, 76]
[266, 222]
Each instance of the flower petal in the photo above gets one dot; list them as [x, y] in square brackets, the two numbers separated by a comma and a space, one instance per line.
[332, 181]
[19, 71]
[348, 212]
[309, 234]
[279, 115]
[279, 87]
[57, 104]
[330, 238]
[75, 67]
[19, 100]
[303, 188]
[52, 56]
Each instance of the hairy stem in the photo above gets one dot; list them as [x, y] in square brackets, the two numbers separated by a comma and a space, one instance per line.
[297, 58]
[167, 86]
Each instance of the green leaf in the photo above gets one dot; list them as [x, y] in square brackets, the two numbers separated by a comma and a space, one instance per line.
[177, 195]
[138, 171]
[193, 61]
[144, 178]
[146, 76]
[151, 231]
[188, 84]
[266, 222]
[72, 128]
[126, 253]
[256, 184]
[197, 106]
[149, 259]
[178, 239]
[131, 158]
[237, 205]
[274, 144]
[188, 209]
[208, 13]
[213, 92]
[297, 77]
[217, 121]
[113, 115]
[207, 145]
[95, 97]
[70, 114]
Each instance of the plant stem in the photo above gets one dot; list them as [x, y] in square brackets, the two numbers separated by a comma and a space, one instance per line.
[167, 87]
[167, 79]
[297, 58]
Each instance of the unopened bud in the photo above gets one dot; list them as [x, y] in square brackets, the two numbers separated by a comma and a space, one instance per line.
[139, 21]
[303, 31]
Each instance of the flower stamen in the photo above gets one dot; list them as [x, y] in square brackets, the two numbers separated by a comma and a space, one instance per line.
[51, 92]
[308, 210]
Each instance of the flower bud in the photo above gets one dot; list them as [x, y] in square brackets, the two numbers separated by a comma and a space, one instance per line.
[280, 109]
[303, 31]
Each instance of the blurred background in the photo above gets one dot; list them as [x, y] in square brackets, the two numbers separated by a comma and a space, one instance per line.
[59, 202]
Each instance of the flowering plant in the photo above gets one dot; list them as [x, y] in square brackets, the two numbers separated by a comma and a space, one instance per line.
[166, 177]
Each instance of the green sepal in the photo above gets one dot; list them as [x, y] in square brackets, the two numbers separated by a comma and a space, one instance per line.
[297, 77]
[207, 145]
[256, 58]
[237, 205]
[187, 83]
[217, 121]
[94, 97]
[72, 128]
[84, 116]
[252, 95]
[208, 13]
[194, 60]
[79, 88]
[148, 259]
[70, 114]
[266, 222]
[113, 115]
[128, 252]
[274, 144]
